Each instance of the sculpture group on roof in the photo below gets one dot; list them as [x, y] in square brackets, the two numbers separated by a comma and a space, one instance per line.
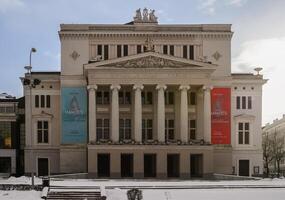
[145, 16]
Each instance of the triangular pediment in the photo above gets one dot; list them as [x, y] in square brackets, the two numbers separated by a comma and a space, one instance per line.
[150, 60]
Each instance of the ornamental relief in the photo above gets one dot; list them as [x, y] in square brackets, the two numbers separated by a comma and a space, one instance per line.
[148, 62]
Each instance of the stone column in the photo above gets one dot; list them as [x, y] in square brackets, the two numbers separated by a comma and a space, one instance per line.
[138, 113]
[92, 112]
[160, 113]
[184, 112]
[207, 113]
[115, 113]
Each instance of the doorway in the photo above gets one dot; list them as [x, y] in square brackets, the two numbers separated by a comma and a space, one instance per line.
[127, 165]
[103, 165]
[243, 168]
[196, 165]
[149, 165]
[173, 165]
[43, 167]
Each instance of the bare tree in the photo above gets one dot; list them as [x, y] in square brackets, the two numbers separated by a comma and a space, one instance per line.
[278, 151]
[267, 146]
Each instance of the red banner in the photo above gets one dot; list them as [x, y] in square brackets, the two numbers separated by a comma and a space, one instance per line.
[221, 115]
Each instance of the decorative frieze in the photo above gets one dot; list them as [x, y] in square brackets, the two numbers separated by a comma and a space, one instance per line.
[148, 62]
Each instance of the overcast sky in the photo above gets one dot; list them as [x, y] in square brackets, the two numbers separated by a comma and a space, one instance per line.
[258, 25]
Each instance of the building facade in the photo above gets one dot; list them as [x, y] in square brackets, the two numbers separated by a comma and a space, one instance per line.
[11, 133]
[144, 100]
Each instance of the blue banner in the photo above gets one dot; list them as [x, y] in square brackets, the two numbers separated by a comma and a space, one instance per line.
[73, 115]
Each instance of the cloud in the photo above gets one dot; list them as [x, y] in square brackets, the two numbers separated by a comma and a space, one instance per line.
[209, 6]
[268, 54]
[237, 2]
[7, 5]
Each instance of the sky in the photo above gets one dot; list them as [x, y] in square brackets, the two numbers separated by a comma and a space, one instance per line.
[258, 41]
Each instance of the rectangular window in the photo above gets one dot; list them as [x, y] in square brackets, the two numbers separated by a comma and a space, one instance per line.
[139, 49]
[243, 133]
[192, 98]
[42, 101]
[48, 101]
[102, 97]
[106, 52]
[126, 50]
[165, 49]
[125, 129]
[5, 135]
[106, 99]
[119, 51]
[125, 97]
[243, 102]
[42, 128]
[191, 52]
[147, 129]
[99, 50]
[99, 98]
[171, 50]
[192, 129]
[238, 102]
[102, 129]
[169, 98]
[37, 101]
[146, 98]
[185, 51]
[249, 102]
[169, 129]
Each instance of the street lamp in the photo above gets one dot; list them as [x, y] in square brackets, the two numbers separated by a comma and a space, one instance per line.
[31, 83]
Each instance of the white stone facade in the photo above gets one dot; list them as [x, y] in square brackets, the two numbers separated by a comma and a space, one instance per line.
[149, 103]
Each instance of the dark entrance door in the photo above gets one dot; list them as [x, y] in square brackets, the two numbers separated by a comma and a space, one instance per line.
[196, 165]
[43, 168]
[127, 165]
[244, 167]
[173, 165]
[149, 165]
[5, 164]
[103, 165]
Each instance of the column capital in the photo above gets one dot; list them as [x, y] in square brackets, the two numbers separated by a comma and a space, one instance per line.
[207, 87]
[138, 87]
[159, 87]
[115, 87]
[92, 87]
[184, 87]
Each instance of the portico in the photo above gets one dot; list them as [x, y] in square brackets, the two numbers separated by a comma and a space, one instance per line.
[144, 78]
[148, 102]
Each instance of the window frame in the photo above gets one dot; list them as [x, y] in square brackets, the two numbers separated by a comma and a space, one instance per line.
[168, 129]
[124, 128]
[124, 97]
[101, 100]
[147, 130]
[192, 129]
[103, 127]
[243, 133]
[42, 131]
[147, 97]
[167, 97]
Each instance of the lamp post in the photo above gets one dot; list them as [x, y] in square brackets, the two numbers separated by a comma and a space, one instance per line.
[31, 83]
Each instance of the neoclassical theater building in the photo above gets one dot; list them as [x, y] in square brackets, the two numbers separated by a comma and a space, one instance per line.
[144, 100]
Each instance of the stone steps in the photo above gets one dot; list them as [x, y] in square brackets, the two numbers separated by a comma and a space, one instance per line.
[74, 194]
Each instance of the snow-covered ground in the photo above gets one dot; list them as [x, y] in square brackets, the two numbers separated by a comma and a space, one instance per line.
[20, 195]
[118, 192]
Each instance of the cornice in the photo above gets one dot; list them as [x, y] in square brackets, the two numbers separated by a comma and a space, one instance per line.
[106, 34]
